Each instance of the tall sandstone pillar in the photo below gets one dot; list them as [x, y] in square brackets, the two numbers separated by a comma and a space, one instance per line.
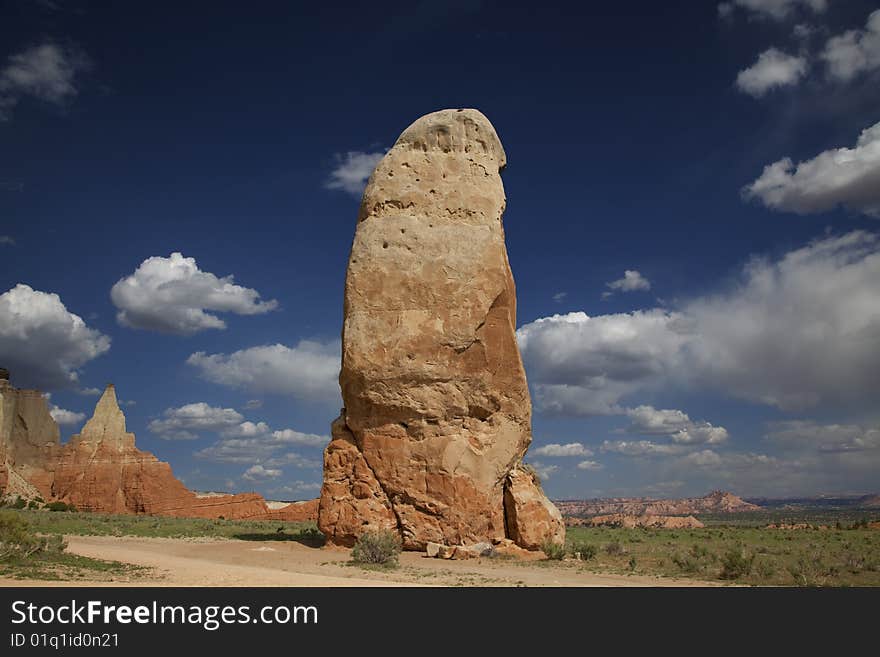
[437, 413]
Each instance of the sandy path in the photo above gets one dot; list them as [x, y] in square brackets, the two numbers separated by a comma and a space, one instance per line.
[210, 562]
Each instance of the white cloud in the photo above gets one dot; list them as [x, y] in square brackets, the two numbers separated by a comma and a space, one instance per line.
[794, 332]
[772, 70]
[559, 297]
[543, 471]
[259, 473]
[289, 436]
[592, 466]
[840, 176]
[352, 171]
[253, 404]
[7, 240]
[295, 489]
[705, 457]
[310, 370]
[632, 281]
[246, 430]
[676, 424]
[582, 365]
[854, 52]
[172, 295]
[182, 423]
[824, 437]
[800, 331]
[89, 392]
[41, 343]
[555, 449]
[45, 72]
[640, 448]
[63, 416]
[651, 421]
[771, 9]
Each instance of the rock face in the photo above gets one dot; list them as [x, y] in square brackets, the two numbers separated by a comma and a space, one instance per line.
[100, 469]
[437, 413]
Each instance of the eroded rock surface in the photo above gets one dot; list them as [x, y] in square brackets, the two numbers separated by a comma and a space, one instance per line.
[100, 469]
[437, 411]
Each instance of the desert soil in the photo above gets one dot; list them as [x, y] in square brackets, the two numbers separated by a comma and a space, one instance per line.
[221, 562]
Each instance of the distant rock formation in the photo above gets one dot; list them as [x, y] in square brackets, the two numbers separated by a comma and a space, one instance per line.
[645, 520]
[100, 469]
[715, 502]
[437, 412]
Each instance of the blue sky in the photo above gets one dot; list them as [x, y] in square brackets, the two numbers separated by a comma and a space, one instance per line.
[695, 310]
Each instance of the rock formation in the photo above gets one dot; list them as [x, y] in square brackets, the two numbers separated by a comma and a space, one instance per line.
[100, 469]
[646, 520]
[437, 413]
[715, 502]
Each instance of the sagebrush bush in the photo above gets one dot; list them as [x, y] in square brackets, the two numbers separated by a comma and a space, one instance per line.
[736, 563]
[17, 539]
[582, 551]
[553, 551]
[614, 548]
[60, 506]
[377, 547]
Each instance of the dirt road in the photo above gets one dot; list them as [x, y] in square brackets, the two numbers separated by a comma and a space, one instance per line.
[211, 562]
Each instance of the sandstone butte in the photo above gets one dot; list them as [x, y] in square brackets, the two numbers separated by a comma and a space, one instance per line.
[437, 414]
[101, 470]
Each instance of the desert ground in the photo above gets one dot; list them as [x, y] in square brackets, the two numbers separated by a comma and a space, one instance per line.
[230, 562]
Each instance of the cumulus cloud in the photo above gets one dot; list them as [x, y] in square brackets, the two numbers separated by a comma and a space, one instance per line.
[291, 437]
[770, 9]
[310, 370]
[559, 297]
[172, 295]
[854, 52]
[676, 424]
[295, 489]
[64, 417]
[542, 470]
[705, 457]
[632, 281]
[772, 70]
[555, 449]
[842, 176]
[259, 473]
[798, 331]
[185, 422]
[253, 404]
[590, 465]
[810, 434]
[582, 365]
[352, 171]
[45, 72]
[41, 343]
[641, 448]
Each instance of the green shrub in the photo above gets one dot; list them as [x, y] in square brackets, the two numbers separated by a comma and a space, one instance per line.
[614, 548]
[17, 540]
[377, 547]
[19, 503]
[582, 551]
[736, 563]
[60, 506]
[554, 551]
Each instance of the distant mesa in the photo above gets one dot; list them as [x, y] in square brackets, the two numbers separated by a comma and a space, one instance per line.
[632, 521]
[715, 502]
[100, 469]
